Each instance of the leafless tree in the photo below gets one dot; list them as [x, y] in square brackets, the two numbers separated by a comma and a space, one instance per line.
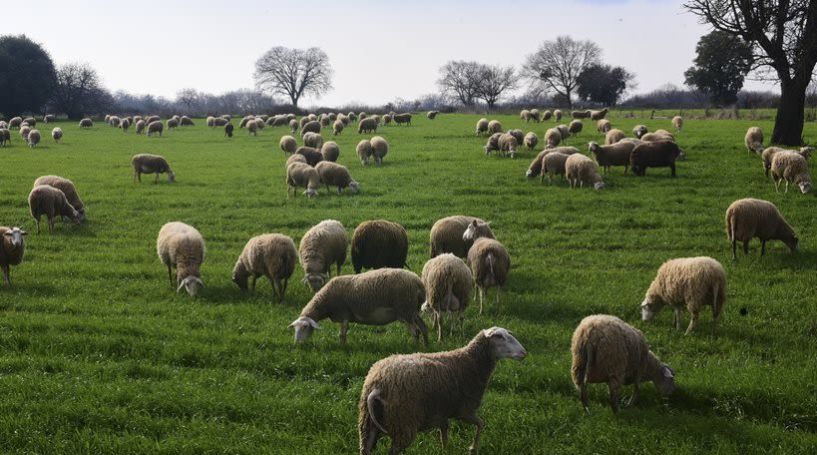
[189, 99]
[556, 65]
[495, 80]
[78, 91]
[460, 80]
[783, 34]
[294, 72]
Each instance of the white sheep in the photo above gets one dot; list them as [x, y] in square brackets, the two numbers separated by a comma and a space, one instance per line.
[181, 246]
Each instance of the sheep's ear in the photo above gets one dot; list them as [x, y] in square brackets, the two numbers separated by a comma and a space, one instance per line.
[293, 323]
[474, 223]
[667, 372]
[314, 324]
[22, 232]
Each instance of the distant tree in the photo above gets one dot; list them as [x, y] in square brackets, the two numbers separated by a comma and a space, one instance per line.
[294, 72]
[603, 84]
[188, 99]
[783, 36]
[721, 66]
[79, 92]
[26, 75]
[556, 65]
[460, 80]
[494, 81]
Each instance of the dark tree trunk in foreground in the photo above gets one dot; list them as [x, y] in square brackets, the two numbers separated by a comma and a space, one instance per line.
[788, 123]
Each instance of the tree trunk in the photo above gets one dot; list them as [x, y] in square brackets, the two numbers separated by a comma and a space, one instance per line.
[788, 124]
[569, 100]
[294, 101]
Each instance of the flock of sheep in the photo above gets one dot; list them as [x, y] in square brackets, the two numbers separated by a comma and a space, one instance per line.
[405, 394]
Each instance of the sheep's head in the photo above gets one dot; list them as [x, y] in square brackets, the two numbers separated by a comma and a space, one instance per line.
[240, 276]
[16, 237]
[354, 186]
[476, 230]
[171, 176]
[805, 185]
[598, 185]
[504, 345]
[304, 327]
[665, 380]
[191, 284]
[311, 192]
[650, 307]
[316, 280]
[529, 173]
[806, 152]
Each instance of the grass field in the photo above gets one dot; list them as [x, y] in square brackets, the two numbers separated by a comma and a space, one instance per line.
[99, 355]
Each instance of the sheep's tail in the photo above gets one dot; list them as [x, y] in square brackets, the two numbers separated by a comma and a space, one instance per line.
[371, 400]
[730, 226]
[490, 260]
[582, 366]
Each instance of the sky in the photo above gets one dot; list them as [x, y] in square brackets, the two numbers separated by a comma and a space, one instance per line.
[380, 50]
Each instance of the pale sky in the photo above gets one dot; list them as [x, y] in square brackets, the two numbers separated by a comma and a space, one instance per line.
[379, 50]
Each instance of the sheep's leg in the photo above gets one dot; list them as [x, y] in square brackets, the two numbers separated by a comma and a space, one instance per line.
[51, 224]
[734, 249]
[496, 297]
[421, 328]
[439, 322]
[745, 247]
[787, 187]
[156, 180]
[284, 289]
[444, 434]
[6, 276]
[762, 247]
[170, 275]
[253, 282]
[481, 297]
[677, 319]
[476, 421]
[344, 328]
[672, 168]
[692, 321]
[369, 434]
[37, 221]
[401, 441]
[615, 388]
[634, 398]
[583, 396]
[776, 184]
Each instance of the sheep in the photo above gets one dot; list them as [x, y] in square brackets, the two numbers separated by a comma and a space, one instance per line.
[271, 255]
[492, 144]
[448, 235]
[580, 114]
[288, 144]
[749, 218]
[606, 349]
[432, 114]
[68, 188]
[598, 115]
[140, 126]
[657, 136]
[211, 121]
[604, 126]
[507, 144]
[311, 127]
[31, 121]
[575, 127]
[379, 149]
[252, 127]
[553, 164]
[640, 130]
[155, 127]
[246, 121]
[535, 115]
[172, 123]
[531, 139]
[379, 243]
[754, 140]
[48, 118]
[519, 135]
[295, 158]
[482, 126]
[448, 283]
[324, 120]
[334, 174]
[293, 126]
[547, 115]
[145, 163]
[125, 125]
[303, 121]
[402, 118]
[535, 167]
[16, 122]
[557, 115]
[654, 154]
[337, 127]
[12, 249]
[49, 201]
[34, 138]
[181, 246]
[405, 394]
[323, 245]
[314, 140]
[490, 263]
[221, 121]
[303, 175]
[152, 118]
[613, 136]
[678, 123]
[312, 155]
[617, 154]
[552, 137]
[228, 129]
[793, 168]
[5, 137]
[687, 282]
[494, 127]
[24, 130]
[364, 151]
[330, 151]
[769, 153]
[136, 118]
[524, 114]
[564, 131]
[367, 125]
[580, 169]
[186, 121]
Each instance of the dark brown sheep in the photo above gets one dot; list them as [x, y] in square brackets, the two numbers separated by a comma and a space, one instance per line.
[377, 244]
[654, 154]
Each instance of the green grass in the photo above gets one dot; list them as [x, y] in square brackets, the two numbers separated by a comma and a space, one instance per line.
[99, 355]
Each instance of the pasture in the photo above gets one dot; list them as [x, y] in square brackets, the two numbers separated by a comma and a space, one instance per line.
[99, 355]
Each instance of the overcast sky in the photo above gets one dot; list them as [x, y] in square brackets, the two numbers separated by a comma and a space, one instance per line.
[380, 50]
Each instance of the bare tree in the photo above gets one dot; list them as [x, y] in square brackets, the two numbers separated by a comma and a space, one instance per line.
[294, 72]
[783, 34]
[495, 80]
[188, 98]
[460, 80]
[556, 65]
[79, 92]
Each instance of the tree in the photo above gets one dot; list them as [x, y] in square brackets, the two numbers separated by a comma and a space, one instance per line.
[721, 66]
[188, 99]
[79, 92]
[459, 80]
[294, 72]
[783, 36]
[557, 64]
[603, 84]
[26, 75]
[495, 80]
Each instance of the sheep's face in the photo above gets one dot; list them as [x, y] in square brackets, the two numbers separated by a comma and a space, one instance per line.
[598, 185]
[192, 285]
[171, 176]
[75, 216]
[476, 230]
[792, 243]
[311, 192]
[304, 327]
[665, 381]
[805, 186]
[354, 187]
[650, 307]
[529, 173]
[593, 147]
[240, 280]
[15, 237]
[806, 152]
[504, 345]
[316, 280]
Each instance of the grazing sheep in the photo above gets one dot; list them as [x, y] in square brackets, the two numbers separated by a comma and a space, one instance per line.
[155, 127]
[791, 167]
[221, 121]
[406, 394]
[376, 297]
[295, 158]
[657, 136]
[518, 134]
[535, 167]
[12, 248]
[313, 140]
[617, 154]
[323, 245]
[769, 153]
[293, 126]
[678, 123]
[252, 127]
[531, 139]
[580, 114]
[270, 255]
[552, 137]
[575, 127]
[288, 144]
[246, 121]
[86, 123]
[34, 138]
[49, 201]
[535, 115]
[448, 284]
[303, 175]
[640, 130]
[48, 118]
[750, 218]
[228, 129]
[32, 122]
[352, 116]
[508, 144]
[598, 115]
[56, 133]
[654, 154]
[379, 149]
[606, 349]
[490, 263]
[557, 115]
[311, 127]
[330, 151]
[553, 164]
[140, 126]
[613, 136]
[313, 156]
[448, 235]
[564, 131]
[482, 126]
[334, 174]
[211, 121]
[432, 114]
[492, 144]
[24, 130]
[604, 126]
[125, 125]
[367, 125]
[153, 118]
[68, 188]
[16, 122]
[580, 169]
[524, 114]
[402, 118]
[260, 123]
[186, 121]
[181, 246]
[172, 123]
[364, 151]
[754, 140]
[337, 127]
[547, 115]
[494, 127]
[690, 283]
[145, 163]
[379, 243]
[324, 120]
